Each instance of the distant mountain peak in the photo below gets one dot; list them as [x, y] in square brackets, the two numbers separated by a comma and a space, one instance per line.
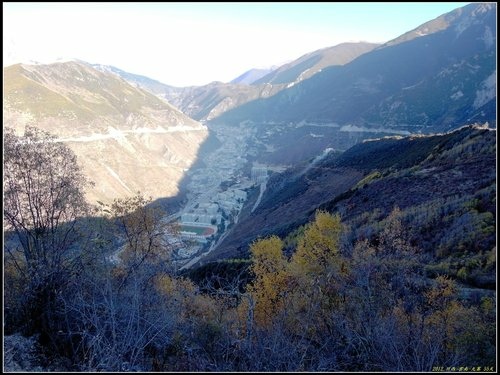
[313, 62]
[252, 75]
[49, 61]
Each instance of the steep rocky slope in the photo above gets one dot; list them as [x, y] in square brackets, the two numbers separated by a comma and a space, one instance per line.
[126, 139]
[311, 63]
[434, 78]
[444, 185]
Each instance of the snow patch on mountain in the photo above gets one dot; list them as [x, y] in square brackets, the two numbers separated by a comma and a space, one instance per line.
[488, 38]
[457, 95]
[487, 92]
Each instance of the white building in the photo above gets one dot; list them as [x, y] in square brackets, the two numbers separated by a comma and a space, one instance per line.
[209, 208]
[188, 218]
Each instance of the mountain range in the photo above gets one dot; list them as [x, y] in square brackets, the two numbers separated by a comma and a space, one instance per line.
[126, 139]
[433, 78]
[210, 101]
[337, 213]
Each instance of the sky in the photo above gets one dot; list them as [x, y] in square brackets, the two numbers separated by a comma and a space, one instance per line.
[185, 44]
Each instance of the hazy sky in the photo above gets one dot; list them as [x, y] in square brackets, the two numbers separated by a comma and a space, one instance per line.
[184, 44]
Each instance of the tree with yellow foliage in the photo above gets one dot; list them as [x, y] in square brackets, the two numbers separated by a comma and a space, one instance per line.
[319, 272]
[302, 291]
[270, 286]
[317, 250]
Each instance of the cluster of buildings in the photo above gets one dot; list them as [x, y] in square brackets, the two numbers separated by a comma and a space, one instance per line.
[210, 215]
[231, 199]
[216, 193]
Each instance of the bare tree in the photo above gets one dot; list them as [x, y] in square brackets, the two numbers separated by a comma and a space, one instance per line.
[43, 202]
[116, 311]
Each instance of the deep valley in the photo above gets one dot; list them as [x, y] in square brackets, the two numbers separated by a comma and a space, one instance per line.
[336, 213]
